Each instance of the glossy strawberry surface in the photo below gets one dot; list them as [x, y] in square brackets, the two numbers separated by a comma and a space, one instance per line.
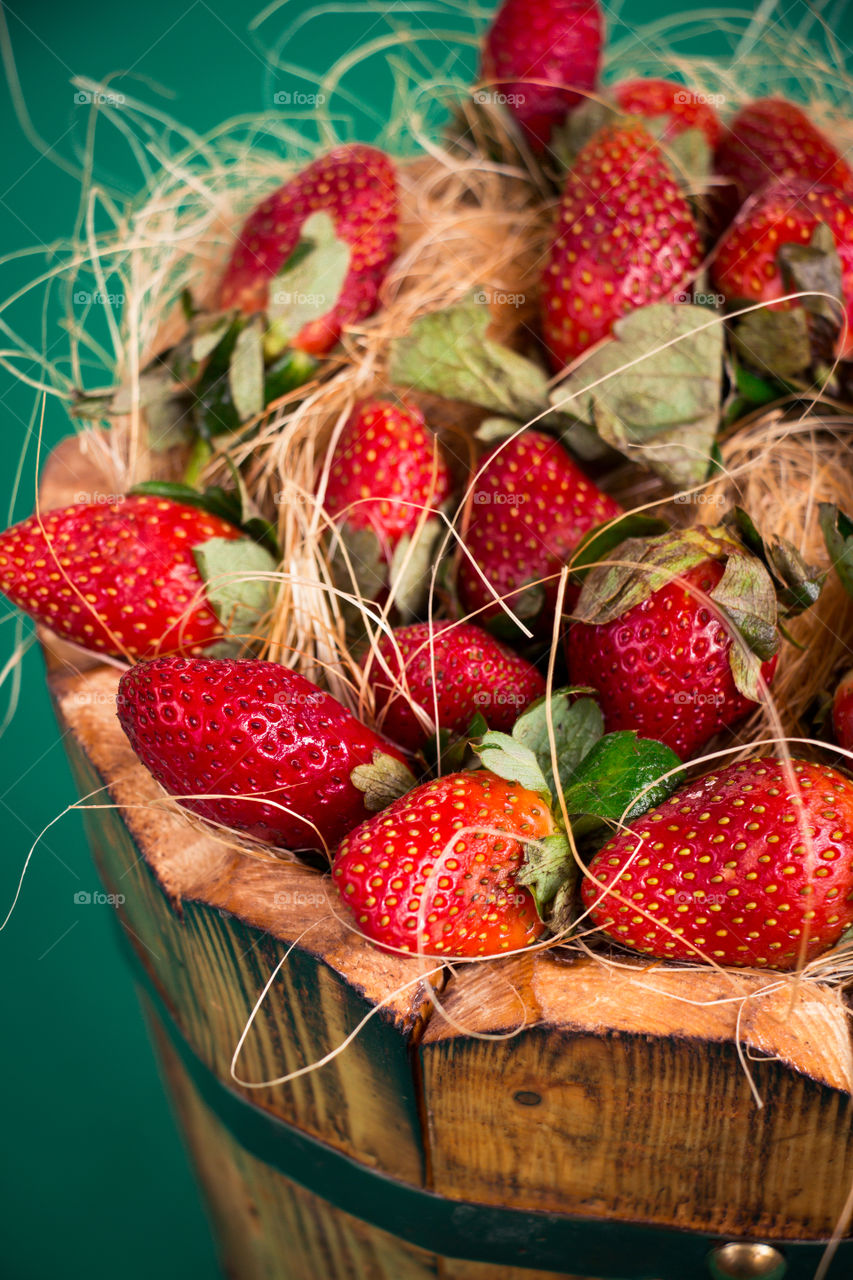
[386, 469]
[540, 58]
[357, 186]
[625, 237]
[663, 667]
[747, 866]
[671, 106]
[435, 872]
[118, 577]
[531, 506]
[450, 669]
[746, 268]
[252, 745]
[772, 139]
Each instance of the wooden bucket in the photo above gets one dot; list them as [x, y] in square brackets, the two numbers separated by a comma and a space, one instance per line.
[615, 1135]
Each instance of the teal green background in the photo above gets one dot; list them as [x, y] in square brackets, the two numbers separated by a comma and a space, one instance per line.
[95, 1181]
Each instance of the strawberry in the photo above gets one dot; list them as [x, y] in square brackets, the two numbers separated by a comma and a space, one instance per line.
[387, 467]
[746, 268]
[679, 631]
[842, 712]
[772, 139]
[739, 868]
[531, 506]
[356, 185]
[453, 669]
[414, 884]
[542, 58]
[668, 105]
[302, 770]
[120, 578]
[625, 237]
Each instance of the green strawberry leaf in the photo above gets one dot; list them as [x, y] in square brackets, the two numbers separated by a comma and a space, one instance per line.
[664, 411]
[513, 761]
[580, 127]
[815, 268]
[644, 565]
[448, 354]
[577, 727]
[308, 285]
[600, 542]
[382, 781]
[550, 872]
[775, 342]
[207, 332]
[237, 576]
[621, 774]
[746, 595]
[492, 430]
[410, 571]
[689, 153]
[246, 371]
[797, 584]
[837, 529]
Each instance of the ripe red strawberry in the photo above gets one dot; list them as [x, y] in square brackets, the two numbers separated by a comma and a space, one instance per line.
[664, 665]
[119, 577]
[543, 57]
[746, 267]
[457, 665]
[387, 467]
[531, 507]
[743, 866]
[671, 106]
[625, 237]
[357, 187]
[772, 139]
[411, 885]
[302, 770]
[842, 712]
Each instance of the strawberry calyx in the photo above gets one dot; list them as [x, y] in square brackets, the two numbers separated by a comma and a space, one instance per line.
[761, 583]
[794, 339]
[688, 151]
[558, 749]
[382, 781]
[837, 530]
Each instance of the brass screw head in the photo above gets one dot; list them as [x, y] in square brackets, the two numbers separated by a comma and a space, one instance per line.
[738, 1261]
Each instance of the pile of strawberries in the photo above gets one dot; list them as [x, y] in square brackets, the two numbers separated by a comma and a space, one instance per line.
[457, 818]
